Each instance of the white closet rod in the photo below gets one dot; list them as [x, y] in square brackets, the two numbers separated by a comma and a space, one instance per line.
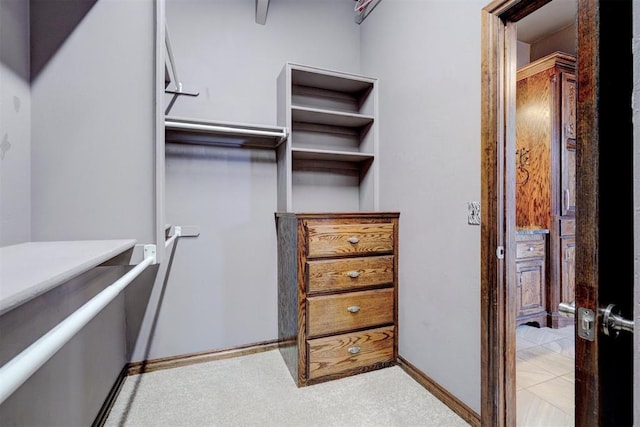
[19, 369]
[176, 233]
[225, 129]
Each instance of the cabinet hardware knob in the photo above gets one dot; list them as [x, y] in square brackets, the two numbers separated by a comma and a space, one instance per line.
[353, 240]
[353, 274]
[353, 308]
[354, 350]
[530, 249]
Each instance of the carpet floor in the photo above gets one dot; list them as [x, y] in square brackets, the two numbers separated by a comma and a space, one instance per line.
[257, 390]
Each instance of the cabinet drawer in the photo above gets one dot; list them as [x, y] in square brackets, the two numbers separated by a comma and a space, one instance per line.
[567, 227]
[341, 274]
[345, 352]
[327, 240]
[530, 249]
[338, 313]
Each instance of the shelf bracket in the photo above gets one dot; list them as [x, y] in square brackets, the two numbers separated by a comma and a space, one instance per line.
[262, 6]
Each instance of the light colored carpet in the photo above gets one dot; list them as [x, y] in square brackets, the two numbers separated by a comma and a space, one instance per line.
[257, 390]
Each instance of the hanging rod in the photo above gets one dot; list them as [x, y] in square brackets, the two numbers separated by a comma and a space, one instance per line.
[177, 232]
[19, 369]
[223, 133]
[225, 129]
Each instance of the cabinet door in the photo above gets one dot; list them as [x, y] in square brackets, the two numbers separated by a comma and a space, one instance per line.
[568, 257]
[530, 292]
[568, 146]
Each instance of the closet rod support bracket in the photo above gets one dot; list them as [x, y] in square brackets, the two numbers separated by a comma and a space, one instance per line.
[150, 251]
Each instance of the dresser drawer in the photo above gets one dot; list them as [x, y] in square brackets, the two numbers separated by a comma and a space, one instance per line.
[530, 249]
[328, 240]
[340, 353]
[338, 313]
[349, 273]
[567, 227]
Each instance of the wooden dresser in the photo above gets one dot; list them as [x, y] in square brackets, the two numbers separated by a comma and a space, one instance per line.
[337, 293]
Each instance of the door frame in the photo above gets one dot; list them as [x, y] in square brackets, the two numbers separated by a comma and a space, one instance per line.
[498, 207]
[498, 68]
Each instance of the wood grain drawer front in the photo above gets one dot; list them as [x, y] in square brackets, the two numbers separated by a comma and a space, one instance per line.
[326, 240]
[567, 227]
[340, 353]
[342, 312]
[532, 249]
[349, 273]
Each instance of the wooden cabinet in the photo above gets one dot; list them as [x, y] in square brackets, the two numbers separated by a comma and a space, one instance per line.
[531, 290]
[546, 167]
[328, 163]
[337, 293]
[566, 267]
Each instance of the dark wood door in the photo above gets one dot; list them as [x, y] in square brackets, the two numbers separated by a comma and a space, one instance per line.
[604, 211]
[604, 251]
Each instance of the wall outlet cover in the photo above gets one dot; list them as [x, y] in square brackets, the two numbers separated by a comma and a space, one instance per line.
[474, 213]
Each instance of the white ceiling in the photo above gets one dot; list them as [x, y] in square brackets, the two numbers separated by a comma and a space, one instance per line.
[550, 18]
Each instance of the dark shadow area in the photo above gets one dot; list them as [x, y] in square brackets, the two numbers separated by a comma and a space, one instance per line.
[14, 36]
[51, 22]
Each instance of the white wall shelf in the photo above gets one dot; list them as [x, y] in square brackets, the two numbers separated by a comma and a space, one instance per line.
[339, 156]
[330, 118]
[328, 163]
[30, 269]
[181, 130]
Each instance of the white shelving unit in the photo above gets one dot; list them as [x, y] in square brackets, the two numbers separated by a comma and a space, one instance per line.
[328, 163]
[30, 269]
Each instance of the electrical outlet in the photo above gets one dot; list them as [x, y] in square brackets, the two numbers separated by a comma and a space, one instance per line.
[474, 213]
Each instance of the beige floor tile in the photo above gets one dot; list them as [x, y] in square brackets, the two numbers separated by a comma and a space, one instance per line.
[538, 335]
[564, 346]
[545, 359]
[522, 343]
[570, 377]
[558, 391]
[567, 331]
[528, 374]
[545, 376]
[532, 411]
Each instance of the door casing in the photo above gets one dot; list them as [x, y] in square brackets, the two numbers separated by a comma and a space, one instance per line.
[498, 69]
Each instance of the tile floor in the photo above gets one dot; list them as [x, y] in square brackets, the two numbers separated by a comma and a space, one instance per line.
[544, 376]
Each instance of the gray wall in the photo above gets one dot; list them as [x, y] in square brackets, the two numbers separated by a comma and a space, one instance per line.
[81, 167]
[429, 75]
[72, 386]
[221, 289]
[15, 123]
[92, 135]
[563, 41]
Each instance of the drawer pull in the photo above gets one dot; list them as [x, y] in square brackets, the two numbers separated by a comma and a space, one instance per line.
[354, 350]
[353, 308]
[353, 240]
[353, 274]
[530, 248]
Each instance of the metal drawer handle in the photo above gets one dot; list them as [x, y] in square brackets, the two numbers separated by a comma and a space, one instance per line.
[354, 350]
[530, 249]
[353, 308]
[353, 240]
[353, 274]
